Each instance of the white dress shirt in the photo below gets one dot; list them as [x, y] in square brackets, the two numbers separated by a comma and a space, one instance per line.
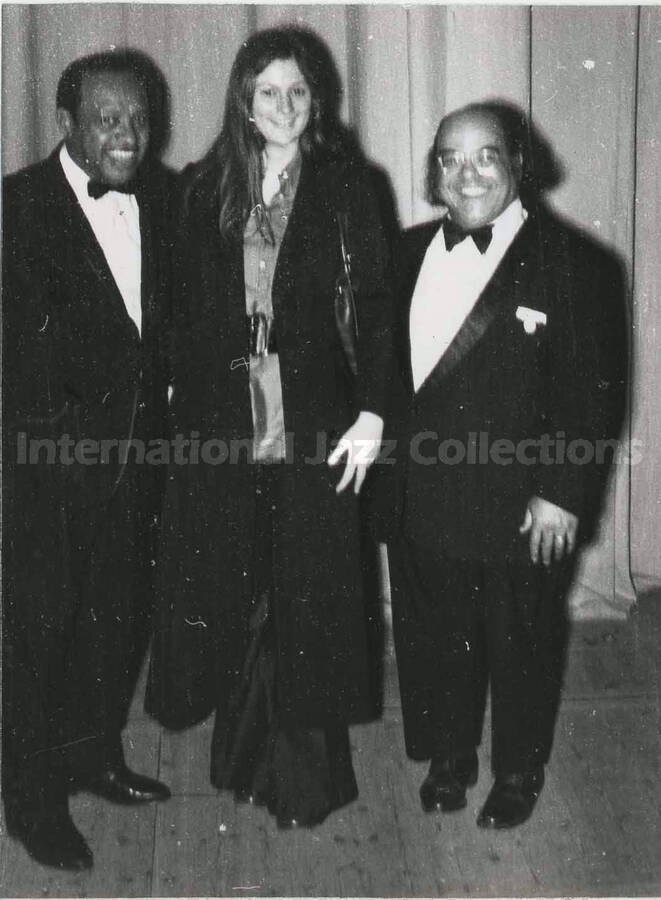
[115, 221]
[448, 286]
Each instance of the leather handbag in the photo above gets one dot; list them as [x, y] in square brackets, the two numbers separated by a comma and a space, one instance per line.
[346, 318]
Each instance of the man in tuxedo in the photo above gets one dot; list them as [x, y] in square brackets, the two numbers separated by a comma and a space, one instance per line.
[512, 347]
[85, 282]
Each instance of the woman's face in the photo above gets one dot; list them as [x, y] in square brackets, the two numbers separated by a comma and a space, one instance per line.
[281, 103]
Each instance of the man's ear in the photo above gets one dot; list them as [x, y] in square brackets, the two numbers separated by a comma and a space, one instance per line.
[65, 122]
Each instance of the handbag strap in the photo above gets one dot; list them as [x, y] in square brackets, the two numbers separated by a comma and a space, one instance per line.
[341, 219]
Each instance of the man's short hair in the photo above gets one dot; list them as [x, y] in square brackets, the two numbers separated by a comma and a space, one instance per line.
[512, 120]
[70, 85]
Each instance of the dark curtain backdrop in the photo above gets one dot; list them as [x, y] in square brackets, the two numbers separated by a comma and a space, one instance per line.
[590, 76]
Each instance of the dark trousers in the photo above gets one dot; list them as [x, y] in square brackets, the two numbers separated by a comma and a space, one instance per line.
[69, 675]
[461, 626]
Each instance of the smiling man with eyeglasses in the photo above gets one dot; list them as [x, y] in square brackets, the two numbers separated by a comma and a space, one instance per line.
[513, 337]
[478, 177]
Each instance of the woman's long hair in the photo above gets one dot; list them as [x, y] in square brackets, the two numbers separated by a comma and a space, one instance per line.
[233, 166]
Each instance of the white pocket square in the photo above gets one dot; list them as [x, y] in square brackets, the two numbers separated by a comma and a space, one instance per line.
[531, 318]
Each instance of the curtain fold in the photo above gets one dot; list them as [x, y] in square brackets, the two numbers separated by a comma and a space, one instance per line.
[646, 405]
[590, 77]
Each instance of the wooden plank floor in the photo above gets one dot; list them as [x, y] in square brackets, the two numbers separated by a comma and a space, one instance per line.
[596, 830]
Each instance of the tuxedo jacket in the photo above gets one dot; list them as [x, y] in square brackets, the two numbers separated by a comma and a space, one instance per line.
[76, 372]
[509, 413]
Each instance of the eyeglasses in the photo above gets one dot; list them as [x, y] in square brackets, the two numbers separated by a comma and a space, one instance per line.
[483, 159]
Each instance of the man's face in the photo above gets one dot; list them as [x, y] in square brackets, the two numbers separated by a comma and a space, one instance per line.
[109, 136]
[478, 178]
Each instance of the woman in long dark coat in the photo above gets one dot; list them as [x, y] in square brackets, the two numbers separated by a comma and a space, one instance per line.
[262, 616]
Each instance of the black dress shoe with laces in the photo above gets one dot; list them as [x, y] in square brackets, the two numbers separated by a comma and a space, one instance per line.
[120, 785]
[51, 839]
[512, 799]
[444, 788]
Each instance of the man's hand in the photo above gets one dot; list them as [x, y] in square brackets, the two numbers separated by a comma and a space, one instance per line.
[361, 444]
[552, 530]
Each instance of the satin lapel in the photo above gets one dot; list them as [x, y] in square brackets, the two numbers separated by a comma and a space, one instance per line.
[148, 259]
[72, 222]
[500, 297]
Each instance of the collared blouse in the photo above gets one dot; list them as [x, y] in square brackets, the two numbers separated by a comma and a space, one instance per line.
[260, 256]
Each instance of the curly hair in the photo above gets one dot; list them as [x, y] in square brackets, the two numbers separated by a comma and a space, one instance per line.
[120, 61]
[70, 84]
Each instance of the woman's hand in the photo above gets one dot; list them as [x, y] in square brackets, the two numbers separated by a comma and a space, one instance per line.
[361, 444]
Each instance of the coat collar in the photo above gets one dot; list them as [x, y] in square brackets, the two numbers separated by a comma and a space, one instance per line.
[311, 225]
[509, 287]
[297, 243]
[69, 216]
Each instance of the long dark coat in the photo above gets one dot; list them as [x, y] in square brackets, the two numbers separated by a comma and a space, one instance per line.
[209, 511]
[74, 368]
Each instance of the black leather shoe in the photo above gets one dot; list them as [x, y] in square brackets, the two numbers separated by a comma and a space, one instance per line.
[511, 799]
[120, 785]
[445, 786]
[52, 840]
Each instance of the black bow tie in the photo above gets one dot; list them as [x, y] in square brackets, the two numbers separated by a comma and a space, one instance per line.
[455, 234]
[97, 189]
